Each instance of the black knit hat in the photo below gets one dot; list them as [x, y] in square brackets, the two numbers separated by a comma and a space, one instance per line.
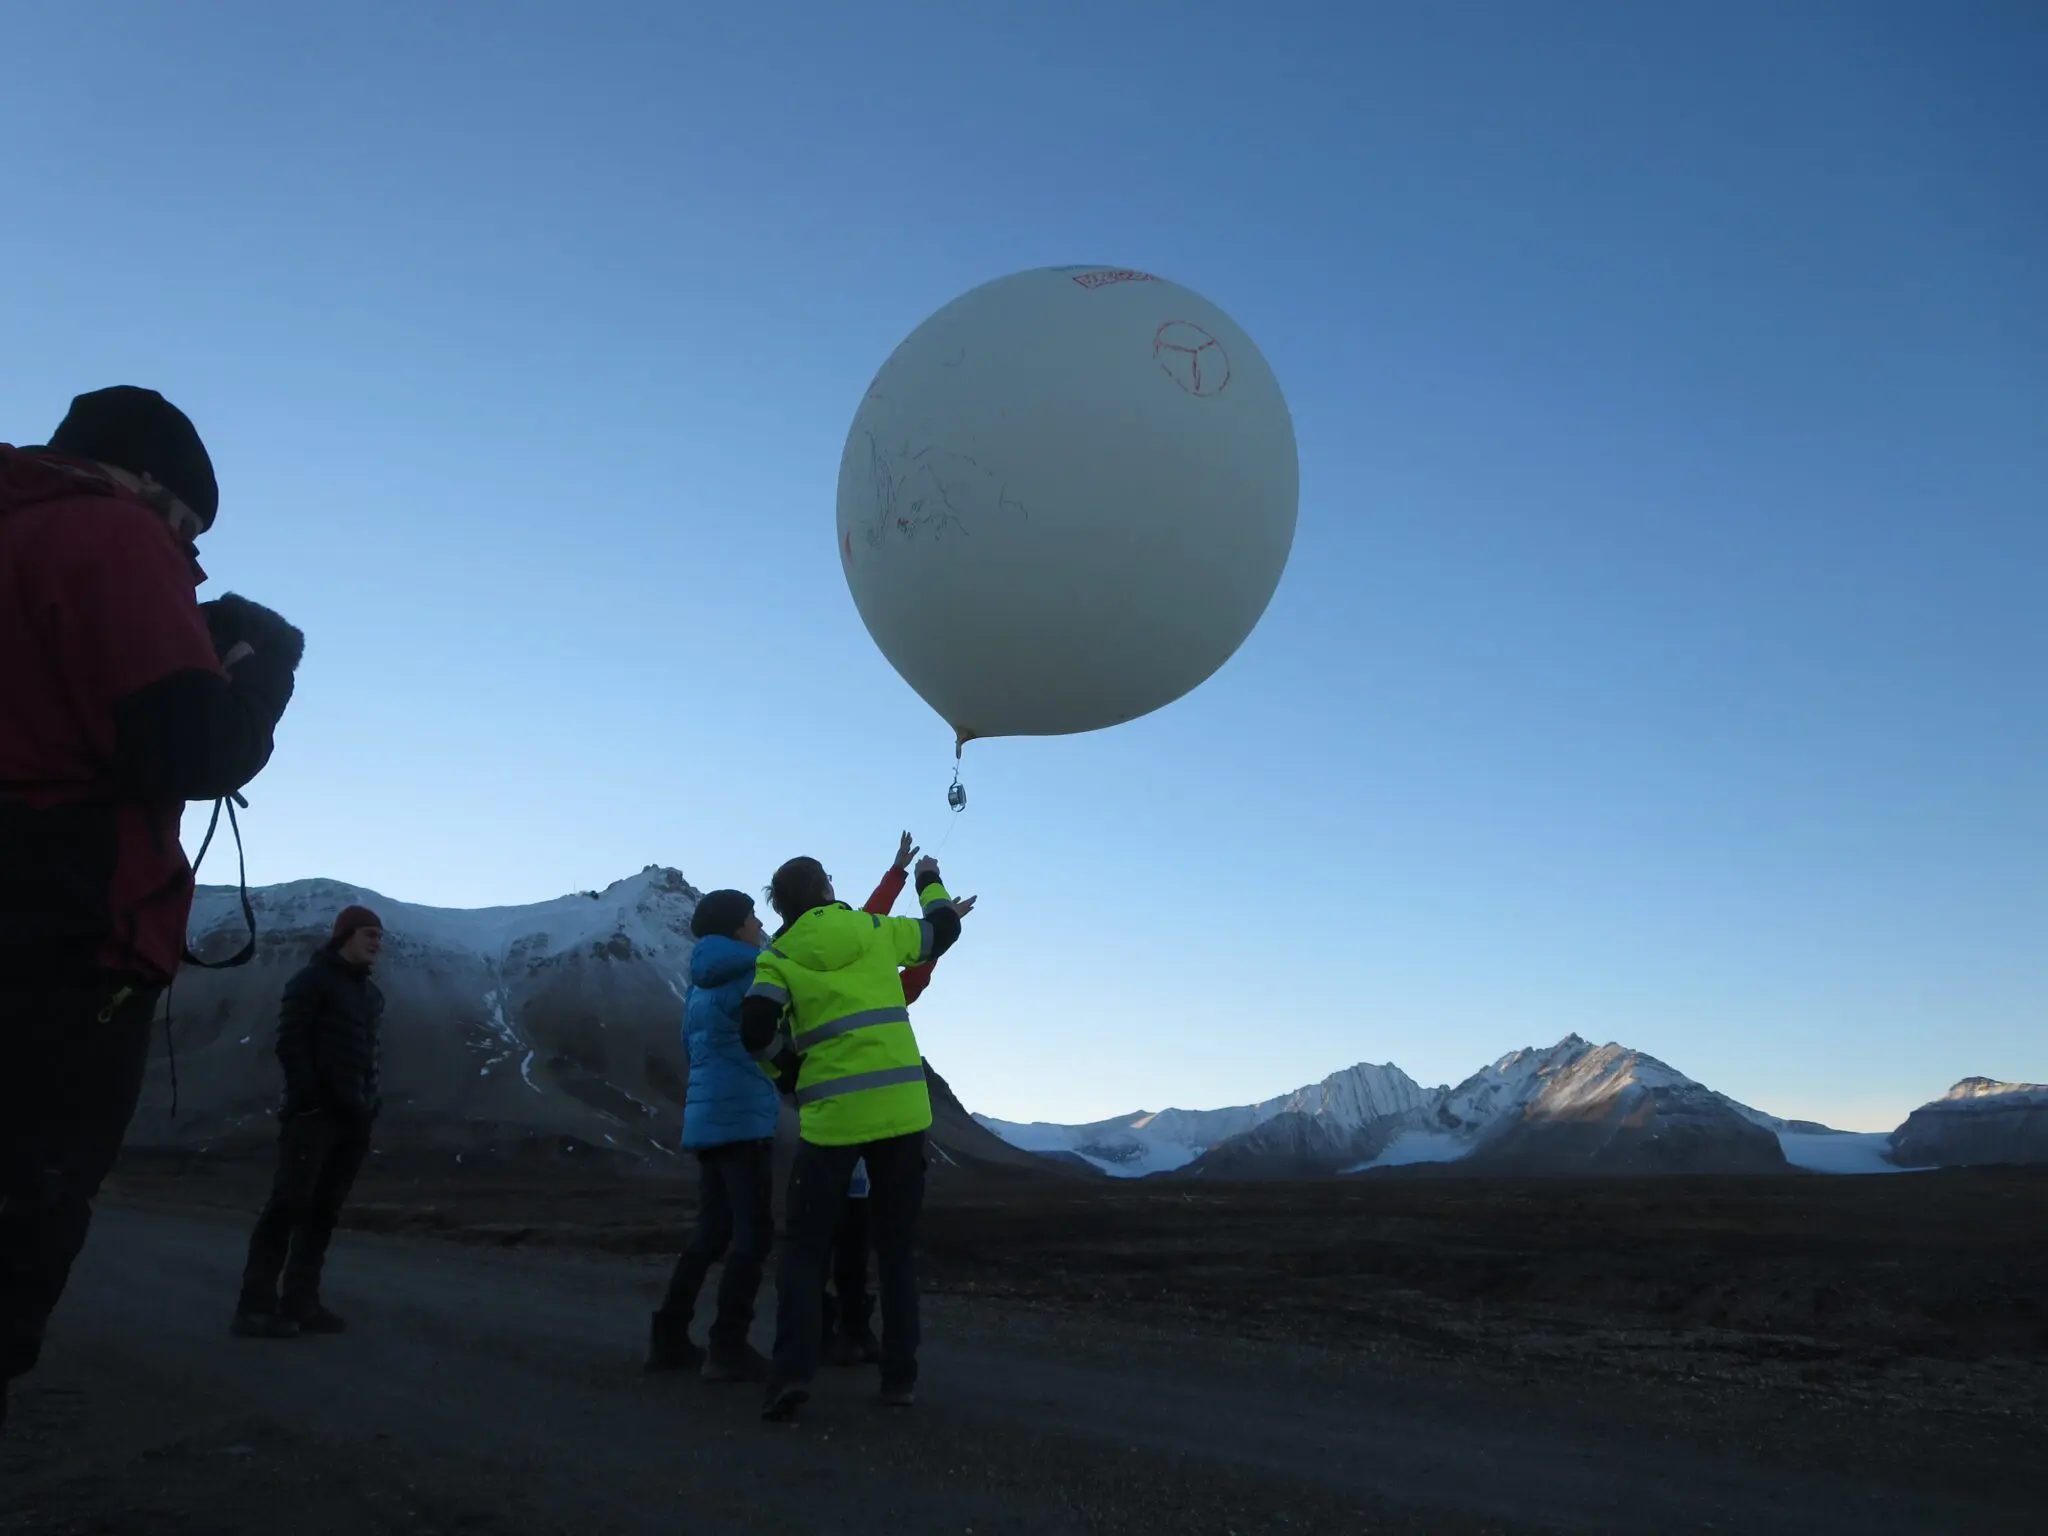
[140, 431]
[721, 912]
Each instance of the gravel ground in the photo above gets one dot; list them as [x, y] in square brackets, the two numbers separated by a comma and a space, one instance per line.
[493, 1386]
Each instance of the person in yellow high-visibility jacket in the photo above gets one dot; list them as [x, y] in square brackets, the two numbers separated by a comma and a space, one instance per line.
[827, 1000]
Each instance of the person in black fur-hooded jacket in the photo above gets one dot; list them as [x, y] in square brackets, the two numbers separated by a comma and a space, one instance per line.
[327, 1042]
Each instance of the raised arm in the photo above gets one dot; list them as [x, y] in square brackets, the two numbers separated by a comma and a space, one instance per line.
[939, 909]
[885, 895]
[884, 898]
[919, 941]
[918, 977]
[185, 726]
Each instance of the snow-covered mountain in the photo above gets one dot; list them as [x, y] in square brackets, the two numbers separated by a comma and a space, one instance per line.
[511, 1029]
[1132, 1146]
[1573, 1106]
[1979, 1120]
[1580, 1107]
[555, 1027]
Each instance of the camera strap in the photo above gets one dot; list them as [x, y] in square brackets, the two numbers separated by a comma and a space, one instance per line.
[241, 956]
[247, 952]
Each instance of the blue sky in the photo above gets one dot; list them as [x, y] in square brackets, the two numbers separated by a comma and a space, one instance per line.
[1663, 648]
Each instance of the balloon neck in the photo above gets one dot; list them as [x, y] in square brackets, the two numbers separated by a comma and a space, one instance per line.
[961, 739]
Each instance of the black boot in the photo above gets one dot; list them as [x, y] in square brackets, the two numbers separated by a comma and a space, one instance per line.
[740, 1361]
[854, 1346]
[262, 1323]
[899, 1393]
[668, 1344]
[311, 1317]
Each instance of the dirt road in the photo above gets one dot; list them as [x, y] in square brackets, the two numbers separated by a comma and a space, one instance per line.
[487, 1392]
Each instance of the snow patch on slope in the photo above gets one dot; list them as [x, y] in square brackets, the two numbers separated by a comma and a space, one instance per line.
[648, 913]
[1128, 1146]
[1418, 1146]
[2016, 1095]
[1839, 1151]
[1165, 1141]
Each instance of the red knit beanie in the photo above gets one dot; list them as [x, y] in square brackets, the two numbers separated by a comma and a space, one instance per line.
[351, 919]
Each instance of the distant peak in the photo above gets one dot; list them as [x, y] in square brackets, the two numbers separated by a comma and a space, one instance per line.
[662, 878]
[1366, 1069]
[1990, 1087]
[654, 880]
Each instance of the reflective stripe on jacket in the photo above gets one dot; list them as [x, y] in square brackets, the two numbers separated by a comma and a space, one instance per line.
[835, 973]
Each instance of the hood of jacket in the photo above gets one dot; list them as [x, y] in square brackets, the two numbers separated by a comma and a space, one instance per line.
[29, 477]
[32, 475]
[716, 960]
[827, 938]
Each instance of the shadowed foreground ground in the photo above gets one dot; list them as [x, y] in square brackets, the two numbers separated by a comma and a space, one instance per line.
[1414, 1355]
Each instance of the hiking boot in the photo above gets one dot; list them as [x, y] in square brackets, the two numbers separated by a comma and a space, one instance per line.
[855, 1349]
[668, 1344]
[311, 1317]
[250, 1324]
[898, 1394]
[734, 1362]
[782, 1402]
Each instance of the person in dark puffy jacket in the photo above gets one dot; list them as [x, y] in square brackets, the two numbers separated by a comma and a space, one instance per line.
[122, 697]
[327, 1041]
[730, 1109]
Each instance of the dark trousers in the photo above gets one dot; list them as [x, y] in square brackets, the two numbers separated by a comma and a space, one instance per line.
[735, 1221]
[817, 1194]
[71, 1061]
[848, 1307]
[318, 1157]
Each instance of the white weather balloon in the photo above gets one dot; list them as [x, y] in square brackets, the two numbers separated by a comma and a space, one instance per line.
[1066, 500]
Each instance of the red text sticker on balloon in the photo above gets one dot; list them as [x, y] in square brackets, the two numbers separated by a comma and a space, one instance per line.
[1191, 357]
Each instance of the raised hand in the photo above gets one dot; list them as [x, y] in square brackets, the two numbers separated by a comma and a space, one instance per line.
[965, 905]
[906, 850]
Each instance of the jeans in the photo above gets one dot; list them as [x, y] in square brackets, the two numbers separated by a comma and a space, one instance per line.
[817, 1194]
[73, 1062]
[736, 1221]
[849, 1307]
[318, 1157]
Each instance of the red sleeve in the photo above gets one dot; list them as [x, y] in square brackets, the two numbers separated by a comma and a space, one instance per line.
[137, 656]
[886, 893]
[124, 601]
[915, 979]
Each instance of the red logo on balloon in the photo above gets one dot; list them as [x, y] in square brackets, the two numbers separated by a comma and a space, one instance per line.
[1191, 357]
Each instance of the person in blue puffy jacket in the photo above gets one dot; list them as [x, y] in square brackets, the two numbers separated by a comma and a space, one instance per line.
[729, 1114]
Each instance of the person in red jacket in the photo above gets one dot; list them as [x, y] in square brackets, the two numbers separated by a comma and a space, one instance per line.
[849, 1333]
[121, 698]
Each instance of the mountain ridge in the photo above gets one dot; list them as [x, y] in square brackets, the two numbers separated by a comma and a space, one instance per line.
[1570, 1107]
[556, 1025]
[1979, 1120]
[547, 1029]
[1151, 1142]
